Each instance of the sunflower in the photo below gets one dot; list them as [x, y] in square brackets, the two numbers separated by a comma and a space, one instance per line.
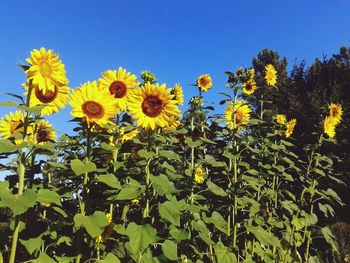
[51, 100]
[281, 119]
[45, 132]
[237, 115]
[12, 126]
[290, 127]
[270, 75]
[204, 82]
[329, 125]
[336, 112]
[249, 87]
[129, 135]
[93, 104]
[179, 95]
[107, 231]
[46, 71]
[153, 106]
[119, 84]
[199, 176]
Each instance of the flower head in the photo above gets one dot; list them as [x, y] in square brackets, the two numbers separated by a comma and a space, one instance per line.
[153, 106]
[290, 127]
[179, 95]
[281, 119]
[148, 76]
[204, 82]
[329, 125]
[199, 176]
[249, 87]
[46, 71]
[237, 115]
[336, 112]
[129, 135]
[270, 75]
[93, 104]
[12, 126]
[45, 132]
[119, 84]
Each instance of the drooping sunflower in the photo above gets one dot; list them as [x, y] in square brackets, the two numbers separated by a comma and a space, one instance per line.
[204, 82]
[45, 132]
[179, 95]
[46, 71]
[270, 75]
[12, 126]
[153, 106]
[119, 84]
[249, 87]
[237, 115]
[329, 125]
[107, 231]
[281, 119]
[336, 112]
[52, 101]
[199, 176]
[290, 127]
[92, 104]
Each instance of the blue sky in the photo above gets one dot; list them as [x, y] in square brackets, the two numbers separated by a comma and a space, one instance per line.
[177, 40]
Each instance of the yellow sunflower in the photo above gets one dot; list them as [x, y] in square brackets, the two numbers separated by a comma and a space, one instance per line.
[119, 84]
[179, 95]
[281, 119]
[204, 82]
[237, 115]
[107, 231]
[52, 100]
[249, 87]
[270, 75]
[46, 71]
[12, 126]
[129, 135]
[153, 106]
[329, 125]
[45, 132]
[336, 112]
[93, 104]
[290, 127]
[199, 175]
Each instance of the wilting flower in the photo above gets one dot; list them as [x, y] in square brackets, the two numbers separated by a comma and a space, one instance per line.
[329, 125]
[179, 95]
[119, 84]
[199, 176]
[153, 106]
[237, 115]
[204, 82]
[290, 127]
[107, 231]
[45, 132]
[249, 87]
[46, 71]
[270, 75]
[52, 101]
[93, 104]
[12, 126]
[336, 112]
[281, 119]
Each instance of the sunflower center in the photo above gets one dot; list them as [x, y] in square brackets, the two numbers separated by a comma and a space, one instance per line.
[48, 97]
[248, 86]
[152, 106]
[93, 109]
[203, 81]
[334, 112]
[45, 69]
[42, 136]
[118, 89]
[239, 117]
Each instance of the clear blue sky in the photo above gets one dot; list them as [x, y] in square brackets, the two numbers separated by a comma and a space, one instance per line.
[177, 40]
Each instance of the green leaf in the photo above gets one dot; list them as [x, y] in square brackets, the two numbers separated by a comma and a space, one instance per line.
[160, 183]
[326, 209]
[110, 180]
[9, 103]
[44, 258]
[169, 155]
[94, 224]
[191, 143]
[130, 191]
[223, 254]
[171, 211]
[263, 236]
[1, 259]
[329, 237]
[211, 161]
[207, 140]
[169, 249]
[80, 167]
[218, 221]
[32, 244]
[140, 236]
[58, 165]
[110, 258]
[19, 203]
[216, 189]
[47, 197]
[7, 146]
[145, 154]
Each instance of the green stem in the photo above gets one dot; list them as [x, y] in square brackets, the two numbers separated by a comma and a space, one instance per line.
[262, 107]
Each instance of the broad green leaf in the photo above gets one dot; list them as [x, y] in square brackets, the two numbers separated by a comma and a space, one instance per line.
[178, 233]
[94, 224]
[8, 103]
[211, 161]
[140, 236]
[110, 258]
[160, 183]
[298, 223]
[19, 203]
[145, 154]
[47, 197]
[218, 221]
[169, 155]
[32, 244]
[169, 249]
[80, 167]
[263, 236]
[217, 190]
[207, 140]
[223, 254]
[64, 239]
[44, 258]
[170, 211]
[130, 191]
[326, 209]
[7, 146]
[58, 165]
[329, 237]
[191, 143]
[110, 180]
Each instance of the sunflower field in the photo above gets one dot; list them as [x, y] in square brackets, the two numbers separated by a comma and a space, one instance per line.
[141, 181]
